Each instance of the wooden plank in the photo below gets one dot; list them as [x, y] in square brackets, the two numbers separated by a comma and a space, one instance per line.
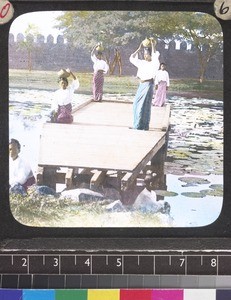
[100, 141]
[166, 118]
[129, 179]
[106, 114]
[160, 118]
[95, 147]
[79, 106]
[97, 178]
[69, 178]
[120, 114]
[39, 176]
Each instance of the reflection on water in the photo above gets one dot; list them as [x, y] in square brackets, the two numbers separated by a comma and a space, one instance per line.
[194, 165]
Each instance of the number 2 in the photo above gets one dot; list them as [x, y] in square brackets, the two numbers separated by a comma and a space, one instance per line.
[24, 262]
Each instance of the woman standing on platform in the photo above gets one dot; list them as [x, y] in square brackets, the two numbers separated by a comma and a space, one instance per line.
[147, 69]
[100, 68]
[161, 86]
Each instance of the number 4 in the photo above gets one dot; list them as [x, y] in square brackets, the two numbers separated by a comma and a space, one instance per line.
[87, 262]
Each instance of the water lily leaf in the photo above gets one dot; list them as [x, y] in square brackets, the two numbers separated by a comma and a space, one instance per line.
[215, 193]
[165, 193]
[216, 186]
[193, 195]
[194, 180]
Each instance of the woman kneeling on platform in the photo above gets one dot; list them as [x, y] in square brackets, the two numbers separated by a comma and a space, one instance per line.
[63, 98]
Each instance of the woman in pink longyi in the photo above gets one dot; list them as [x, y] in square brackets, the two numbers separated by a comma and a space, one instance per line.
[100, 68]
[62, 99]
[161, 86]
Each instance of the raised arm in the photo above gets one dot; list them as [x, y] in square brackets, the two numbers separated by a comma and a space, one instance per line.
[93, 50]
[153, 45]
[72, 74]
[138, 49]
[75, 83]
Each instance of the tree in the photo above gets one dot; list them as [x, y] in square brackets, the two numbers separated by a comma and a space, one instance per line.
[28, 43]
[205, 34]
[201, 30]
[118, 28]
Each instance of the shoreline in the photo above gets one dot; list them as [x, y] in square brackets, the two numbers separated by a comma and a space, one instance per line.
[194, 94]
[188, 94]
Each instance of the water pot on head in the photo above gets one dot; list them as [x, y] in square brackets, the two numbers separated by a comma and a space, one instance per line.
[146, 43]
[100, 47]
[63, 73]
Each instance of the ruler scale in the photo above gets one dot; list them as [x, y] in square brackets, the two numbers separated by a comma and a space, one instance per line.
[116, 264]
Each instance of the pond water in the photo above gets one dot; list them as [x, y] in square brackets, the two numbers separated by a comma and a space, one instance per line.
[194, 165]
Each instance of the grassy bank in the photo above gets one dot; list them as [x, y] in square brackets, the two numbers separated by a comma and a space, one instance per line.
[47, 80]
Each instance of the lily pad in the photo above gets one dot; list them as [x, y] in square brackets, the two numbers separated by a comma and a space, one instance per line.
[179, 154]
[194, 180]
[165, 193]
[216, 186]
[193, 195]
[214, 193]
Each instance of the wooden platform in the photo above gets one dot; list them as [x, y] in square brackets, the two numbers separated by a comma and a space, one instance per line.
[100, 139]
[118, 114]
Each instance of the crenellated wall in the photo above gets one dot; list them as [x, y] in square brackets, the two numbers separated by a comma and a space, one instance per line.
[48, 54]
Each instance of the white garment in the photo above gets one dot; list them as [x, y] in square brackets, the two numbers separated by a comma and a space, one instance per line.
[20, 171]
[146, 197]
[146, 69]
[64, 97]
[162, 75]
[99, 64]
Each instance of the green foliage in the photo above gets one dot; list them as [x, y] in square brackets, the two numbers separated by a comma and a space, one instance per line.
[119, 28]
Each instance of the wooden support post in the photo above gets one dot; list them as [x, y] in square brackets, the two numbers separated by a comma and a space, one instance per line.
[157, 165]
[69, 178]
[39, 177]
[49, 177]
[97, 178]
[85, 171]
[60, 176]
[127, 180]
[165, 122]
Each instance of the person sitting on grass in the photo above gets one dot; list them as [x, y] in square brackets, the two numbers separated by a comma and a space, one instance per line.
[20, 173]
[62, 102]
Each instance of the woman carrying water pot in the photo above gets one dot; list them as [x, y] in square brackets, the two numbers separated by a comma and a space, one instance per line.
[100, 68]
[62, 101]
[147, 69]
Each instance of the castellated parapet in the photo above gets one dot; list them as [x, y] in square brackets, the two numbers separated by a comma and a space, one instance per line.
[50, 55]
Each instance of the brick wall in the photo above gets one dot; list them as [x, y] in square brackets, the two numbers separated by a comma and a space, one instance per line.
[52, 55]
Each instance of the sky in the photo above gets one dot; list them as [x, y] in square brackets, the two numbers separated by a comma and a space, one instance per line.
[43, 20]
